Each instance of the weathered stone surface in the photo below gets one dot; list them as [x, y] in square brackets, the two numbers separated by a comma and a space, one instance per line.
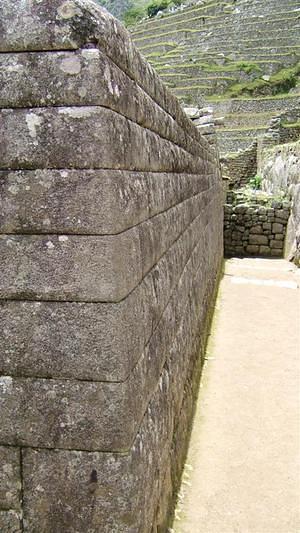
[106, 491]
[275, 252]
[280, 170]
[129, 502]
[70, 268]
[252, 249]
[10, 478]
[256, 230]
[110, 201]
[264, 250]
[33, 139]
[77, 268]
[258, 239]
[85, 77]
[88, 329]
[10, 522]
[72, 24]
[95, 416]
[277, 228]
[111, 218]
[276, 244]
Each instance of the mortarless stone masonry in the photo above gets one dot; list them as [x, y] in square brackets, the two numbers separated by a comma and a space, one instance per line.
[254, 228]
[111, 246]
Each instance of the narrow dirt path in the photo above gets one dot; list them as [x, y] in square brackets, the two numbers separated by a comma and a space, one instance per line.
[242, 474]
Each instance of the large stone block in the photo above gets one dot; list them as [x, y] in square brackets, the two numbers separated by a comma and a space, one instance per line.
[258, 239]
[10, 522]
[70, 268]
[10, 478]
[89, 201]
[96, 138]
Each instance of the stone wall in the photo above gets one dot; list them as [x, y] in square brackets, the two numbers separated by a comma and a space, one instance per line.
[111, 245]
[240, 167]
[255, 227]
[280, 170]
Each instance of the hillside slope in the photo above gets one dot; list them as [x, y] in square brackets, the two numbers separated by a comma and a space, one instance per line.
[242, 56]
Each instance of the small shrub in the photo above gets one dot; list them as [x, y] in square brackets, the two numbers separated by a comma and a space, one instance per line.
[255, 182]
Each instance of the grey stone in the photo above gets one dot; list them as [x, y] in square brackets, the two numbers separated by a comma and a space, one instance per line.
[252, 249]
[258, 239]
[70, 268]
[277, 228]
[256, 230]
[88, 329]
[264, 250]
[72, 24]
[87, 77]
[241, 209]
[92, 416]
[10, 478]
[75, 268]
[10, 522]
[192, 112]
[276, 252]
[279, 237]
[33, 139]
[126, 199]
[121, 253]
[276, 244]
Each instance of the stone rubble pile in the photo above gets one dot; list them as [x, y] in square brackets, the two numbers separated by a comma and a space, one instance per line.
[204, 120]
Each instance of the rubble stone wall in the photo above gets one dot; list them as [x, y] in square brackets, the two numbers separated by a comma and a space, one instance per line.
[111, 245]
[255, 230]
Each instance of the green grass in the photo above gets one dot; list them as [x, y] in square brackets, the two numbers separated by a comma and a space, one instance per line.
[279, 83]
[291, 125]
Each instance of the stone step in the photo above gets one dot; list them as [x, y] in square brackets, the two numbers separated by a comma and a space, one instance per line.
[219, 26]
[239, 120]
[251, 105]
[237, 42]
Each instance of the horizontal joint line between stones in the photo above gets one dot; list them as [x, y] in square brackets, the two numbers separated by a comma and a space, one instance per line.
[46, 50]
[52, 448]
[176, 172]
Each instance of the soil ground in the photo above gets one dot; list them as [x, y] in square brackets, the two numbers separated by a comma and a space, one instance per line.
[242, 473]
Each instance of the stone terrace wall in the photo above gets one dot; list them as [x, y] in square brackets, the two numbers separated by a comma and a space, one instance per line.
[240, 167]
[111, 244]
[255, 229]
